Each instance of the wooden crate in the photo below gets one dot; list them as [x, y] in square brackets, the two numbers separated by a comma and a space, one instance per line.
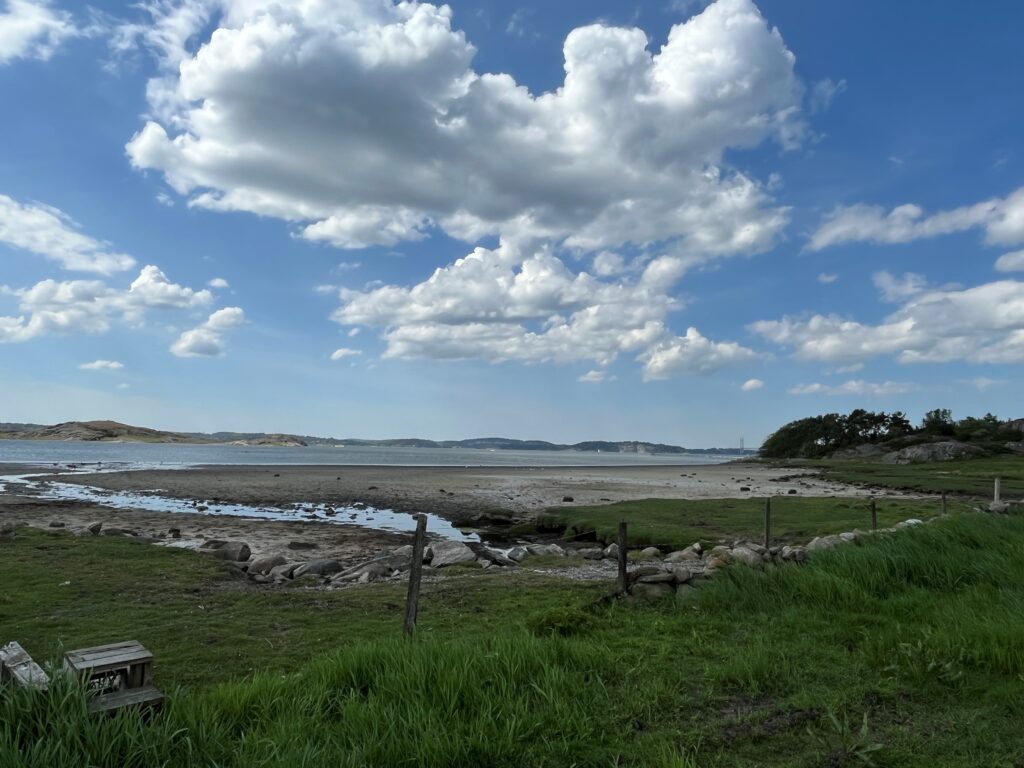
[120, 675]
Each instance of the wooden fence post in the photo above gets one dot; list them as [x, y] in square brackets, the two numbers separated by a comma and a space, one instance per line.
[768, 522]
[623, 576]
[874, 515]
[412, 601]
[943, 502]
[997, 490]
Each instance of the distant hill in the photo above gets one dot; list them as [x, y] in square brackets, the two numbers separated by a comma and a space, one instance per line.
[112, 431]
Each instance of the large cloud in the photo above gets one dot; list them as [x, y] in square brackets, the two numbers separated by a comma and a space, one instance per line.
[48, 232]
[983, 324]
[31, 29]
[1002, 220]
[91, 306]
[496, 306]
[364, 123]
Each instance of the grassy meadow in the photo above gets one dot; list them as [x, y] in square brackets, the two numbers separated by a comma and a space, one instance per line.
[965, 476]
[674, 523]
[903, 651]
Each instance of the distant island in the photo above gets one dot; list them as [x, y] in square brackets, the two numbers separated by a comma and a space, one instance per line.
[112, 431]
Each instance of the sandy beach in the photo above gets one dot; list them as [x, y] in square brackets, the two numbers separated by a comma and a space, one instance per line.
[470, 495]
[478, 497]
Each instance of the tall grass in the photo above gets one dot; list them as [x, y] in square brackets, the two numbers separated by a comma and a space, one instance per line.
[918, 634]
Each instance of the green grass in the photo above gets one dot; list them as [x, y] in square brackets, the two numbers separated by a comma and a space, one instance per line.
[905, 651]
[970, 476]
[679, 523]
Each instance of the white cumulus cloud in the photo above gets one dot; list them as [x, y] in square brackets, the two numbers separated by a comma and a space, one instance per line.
[210, 338]
[364, 123]
[343, 352]
[32, 29]
[91, 306]
[219, 283]
[1011, 262]
[750, 385]
[1002, 220]
[856, 387]
[102, 365]
[983, 324]
[48, 232]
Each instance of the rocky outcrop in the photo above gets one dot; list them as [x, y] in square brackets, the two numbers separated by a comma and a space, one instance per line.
[947, 450]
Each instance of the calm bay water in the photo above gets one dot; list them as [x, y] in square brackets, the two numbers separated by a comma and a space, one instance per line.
[138, 455]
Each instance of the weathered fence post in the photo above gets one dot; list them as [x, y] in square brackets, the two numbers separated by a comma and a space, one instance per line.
[412, 601]
[943, 507]
[997, 490]
[874, 515]
[768, 522]
[623, 576]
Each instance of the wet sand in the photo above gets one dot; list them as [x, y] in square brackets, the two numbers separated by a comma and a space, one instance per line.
[481, 497]
[465, 495]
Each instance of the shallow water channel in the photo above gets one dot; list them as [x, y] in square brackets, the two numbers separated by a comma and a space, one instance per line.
[373, 518]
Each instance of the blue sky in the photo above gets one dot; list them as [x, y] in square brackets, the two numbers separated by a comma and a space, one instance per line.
[724, 216]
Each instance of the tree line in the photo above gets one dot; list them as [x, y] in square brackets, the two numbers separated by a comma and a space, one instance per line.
[818, 436]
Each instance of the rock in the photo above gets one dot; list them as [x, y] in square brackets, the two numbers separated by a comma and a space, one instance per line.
[301, 545]
[684, 592]
[590, 553]
[863, 451]
[744, 489]
[696, 547]
[849, 537]
[517, 554]
[117, 532]
[545, 550]
[208, 544]
[794, 554]
[317, 568]
[612, 551]
[753, 547]
[375, 569]
[405, 551]
[649, 553]
[909, 523]
[283, 572]
[56, 524]
[747, 557]
[792, 491]
[682, 556]
[7, 532]
[652, 593]
[999, 507]
[445, 553]
[94, 528]
[567, 499]
[264, 565]
[682, 574]
[821, 543]
[714, 563]
[662, 577]
[364, 578]
[174, 533]
[720, 551]
[947, 450]
[489, 556]
[235, 551]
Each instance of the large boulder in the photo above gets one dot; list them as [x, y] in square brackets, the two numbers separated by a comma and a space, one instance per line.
[545, 550]
[652, 593]
[235, 551]
[747, 557]
[649, 553]
[445, 553]
[821, 543]
[518, 554]
[682, 556]
[265, 564]
[947, 450]
[317, 568]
